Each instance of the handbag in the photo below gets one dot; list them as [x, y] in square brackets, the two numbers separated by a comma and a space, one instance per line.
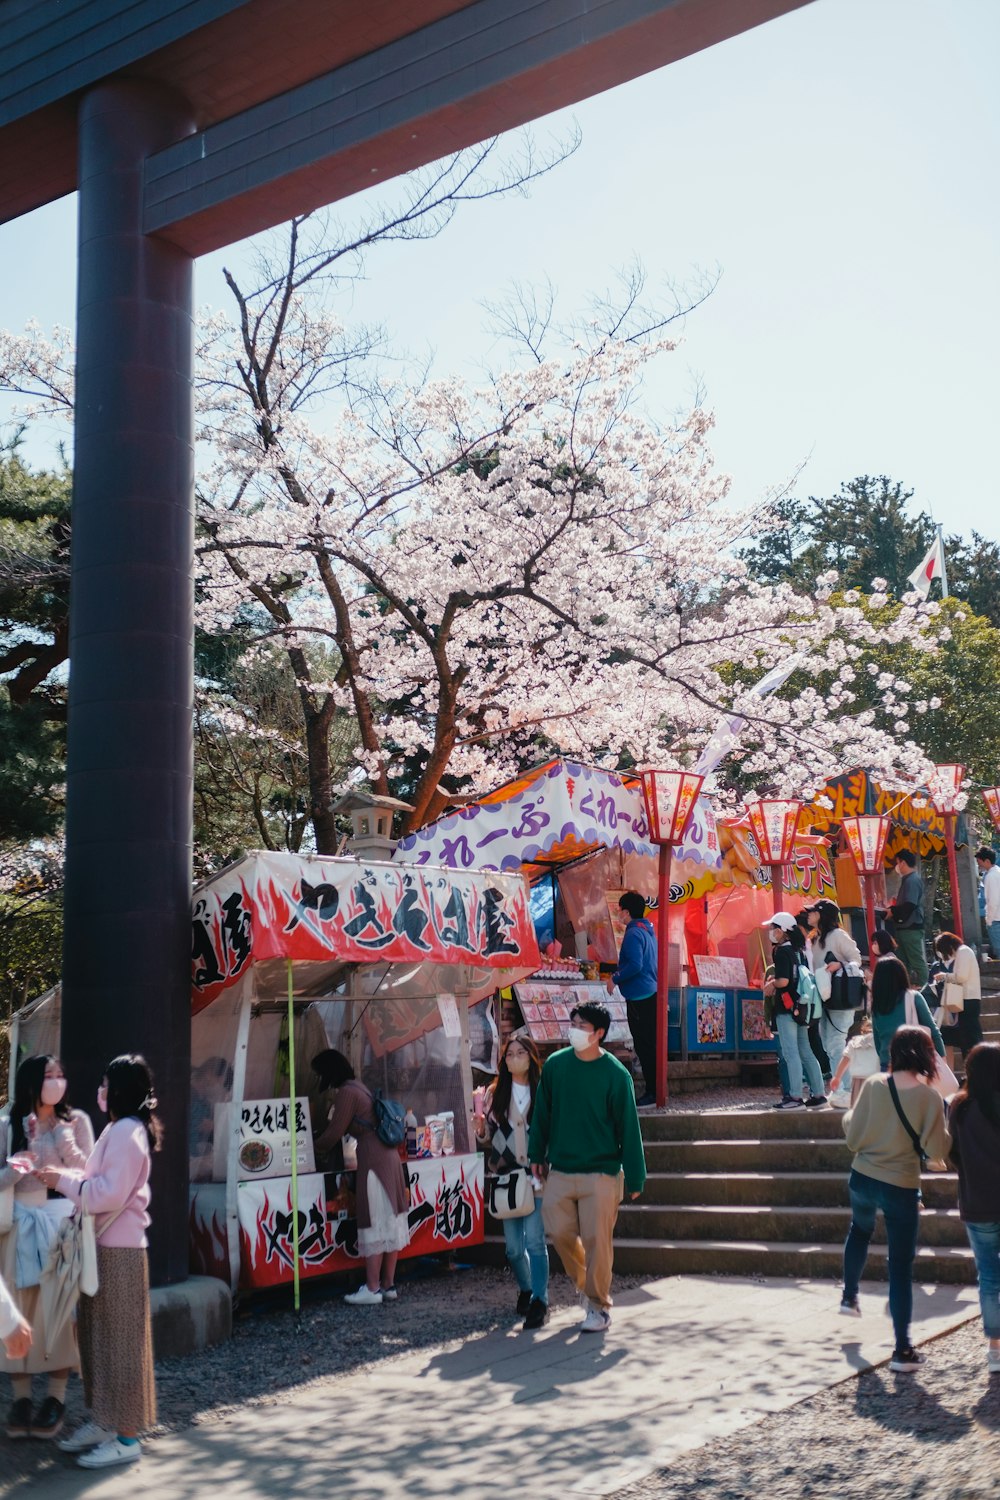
[510, 1195]
[953, 996]
[944, 1081]
[847, 988]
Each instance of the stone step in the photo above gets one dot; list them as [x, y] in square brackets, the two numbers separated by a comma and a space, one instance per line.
[801, 1224]
[782, 1258]
[744, 1125]
[777, 1189]
[748, 1156]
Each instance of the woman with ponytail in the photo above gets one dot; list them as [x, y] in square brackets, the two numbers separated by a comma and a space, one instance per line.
[116, 1345]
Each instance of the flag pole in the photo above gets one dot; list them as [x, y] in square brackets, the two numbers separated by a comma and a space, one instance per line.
[944, 567]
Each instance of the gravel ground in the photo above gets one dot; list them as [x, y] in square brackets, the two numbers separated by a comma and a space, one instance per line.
[726, 1100]
[934, 1435]
[271, 1352]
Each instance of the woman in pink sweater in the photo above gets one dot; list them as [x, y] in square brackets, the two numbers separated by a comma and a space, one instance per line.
[116, 1346]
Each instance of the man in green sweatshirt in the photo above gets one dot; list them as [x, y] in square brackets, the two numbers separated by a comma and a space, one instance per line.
[584, 1134]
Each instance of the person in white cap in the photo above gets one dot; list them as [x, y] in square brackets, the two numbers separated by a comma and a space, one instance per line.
[791, 1013]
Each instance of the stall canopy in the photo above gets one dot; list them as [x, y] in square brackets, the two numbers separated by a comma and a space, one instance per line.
[915, 823]
[329, 913]
[558, 812]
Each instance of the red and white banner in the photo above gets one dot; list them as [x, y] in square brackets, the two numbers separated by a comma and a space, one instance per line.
[446, 1211]
[931, 567]
[346, 910]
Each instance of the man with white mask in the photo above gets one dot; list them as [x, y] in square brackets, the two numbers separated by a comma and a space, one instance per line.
[586, 1143]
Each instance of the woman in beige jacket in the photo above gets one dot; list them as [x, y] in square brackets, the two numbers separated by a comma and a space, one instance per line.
[897, 1122]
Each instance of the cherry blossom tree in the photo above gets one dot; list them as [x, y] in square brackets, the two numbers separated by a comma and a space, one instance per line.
[470, 576]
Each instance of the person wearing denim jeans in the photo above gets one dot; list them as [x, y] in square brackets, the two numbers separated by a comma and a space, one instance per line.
[987, 861]
[974, 1120]
[782, 988]
[897, 1121]
[508, 1110]
[900, 1209]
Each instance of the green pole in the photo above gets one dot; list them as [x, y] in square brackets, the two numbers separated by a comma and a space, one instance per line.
[292, 1105]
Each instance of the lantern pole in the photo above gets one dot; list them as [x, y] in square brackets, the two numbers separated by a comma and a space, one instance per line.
[662, 971]
[950, 824]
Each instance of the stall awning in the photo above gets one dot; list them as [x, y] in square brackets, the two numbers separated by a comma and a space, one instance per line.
[329, 912]
[915, 823]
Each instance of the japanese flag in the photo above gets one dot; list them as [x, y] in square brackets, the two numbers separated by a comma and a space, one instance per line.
[931, 567]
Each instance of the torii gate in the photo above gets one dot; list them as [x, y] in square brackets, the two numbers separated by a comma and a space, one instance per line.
[186, 125]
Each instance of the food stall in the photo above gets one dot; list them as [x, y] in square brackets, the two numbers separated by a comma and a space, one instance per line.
[294, 954]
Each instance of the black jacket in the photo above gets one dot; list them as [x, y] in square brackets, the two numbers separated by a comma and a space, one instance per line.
[975, 1151]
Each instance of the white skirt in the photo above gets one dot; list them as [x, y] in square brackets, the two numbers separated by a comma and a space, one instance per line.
[389, 1232]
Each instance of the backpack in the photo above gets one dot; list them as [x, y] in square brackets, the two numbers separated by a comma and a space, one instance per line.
[390, 1119]
[809, 996]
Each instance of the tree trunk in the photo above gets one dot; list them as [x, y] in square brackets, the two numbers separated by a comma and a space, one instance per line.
[320, 779]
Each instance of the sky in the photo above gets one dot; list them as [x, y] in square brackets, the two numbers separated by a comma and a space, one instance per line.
[837, 166]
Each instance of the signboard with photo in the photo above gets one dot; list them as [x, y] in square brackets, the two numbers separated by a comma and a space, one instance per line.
[715, 969]
[265, 1148]
[545, 1009]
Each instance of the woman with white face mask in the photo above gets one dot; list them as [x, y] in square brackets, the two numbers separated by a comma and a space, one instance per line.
[506, 1119]
[40, 1130]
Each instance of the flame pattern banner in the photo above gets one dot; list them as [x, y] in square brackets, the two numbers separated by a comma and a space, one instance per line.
[347, 910]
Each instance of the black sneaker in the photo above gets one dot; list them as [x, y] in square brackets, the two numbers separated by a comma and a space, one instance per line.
[538, 1314]
[850, 1307]
[905, 1361]
[790, 1102]
[523, 1303]
[19, 1419]
[816, 1101]
[49, 1421]
[646, 1101]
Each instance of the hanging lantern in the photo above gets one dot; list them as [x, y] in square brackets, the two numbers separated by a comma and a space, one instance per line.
[946, 784]
[866, 835]
[670, 798]
[773, 821]
[991, 796]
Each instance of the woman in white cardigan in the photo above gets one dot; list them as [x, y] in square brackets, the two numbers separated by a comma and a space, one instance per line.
[962, 1029]
[832, 946]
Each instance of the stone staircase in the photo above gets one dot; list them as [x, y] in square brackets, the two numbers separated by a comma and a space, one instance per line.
[764, 1193]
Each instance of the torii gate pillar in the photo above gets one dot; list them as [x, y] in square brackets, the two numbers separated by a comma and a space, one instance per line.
[126, 970]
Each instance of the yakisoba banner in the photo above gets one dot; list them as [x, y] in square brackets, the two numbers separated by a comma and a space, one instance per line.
[348, 910]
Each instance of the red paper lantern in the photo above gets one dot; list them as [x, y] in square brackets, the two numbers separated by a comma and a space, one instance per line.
[670, 798]
[991, 796]
[946, 783]
[866, 836]
[773, 821]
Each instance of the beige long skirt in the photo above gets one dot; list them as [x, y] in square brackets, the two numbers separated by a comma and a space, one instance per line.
[116, 1343]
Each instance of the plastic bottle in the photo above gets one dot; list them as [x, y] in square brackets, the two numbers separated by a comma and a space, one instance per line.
[411, 1134]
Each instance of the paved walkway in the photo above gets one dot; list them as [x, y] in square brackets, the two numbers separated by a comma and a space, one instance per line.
[557, 1413]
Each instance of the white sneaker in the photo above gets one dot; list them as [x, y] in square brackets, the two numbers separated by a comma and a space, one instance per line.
[840, 1099]
[114, 1451]
[87, 1436]
[389, 1294]
[364, 1298]
[993, 1361]
[596, 1321]
[584, 1301]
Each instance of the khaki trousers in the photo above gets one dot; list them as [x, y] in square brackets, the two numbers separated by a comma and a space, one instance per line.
[579, 1211]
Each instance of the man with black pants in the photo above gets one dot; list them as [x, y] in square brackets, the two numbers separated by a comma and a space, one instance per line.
[907, 913]
[635, 976]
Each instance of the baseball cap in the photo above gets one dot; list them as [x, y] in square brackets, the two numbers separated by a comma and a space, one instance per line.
[782, 919]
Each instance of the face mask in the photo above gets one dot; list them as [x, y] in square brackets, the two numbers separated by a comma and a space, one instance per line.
[53, 1090]
[102, 1098]
[579, 1039]
[518, 1066]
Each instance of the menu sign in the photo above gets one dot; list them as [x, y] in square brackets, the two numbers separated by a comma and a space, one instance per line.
[265, 1144]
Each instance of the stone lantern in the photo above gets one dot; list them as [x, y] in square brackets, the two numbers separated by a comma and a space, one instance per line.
[371, 823]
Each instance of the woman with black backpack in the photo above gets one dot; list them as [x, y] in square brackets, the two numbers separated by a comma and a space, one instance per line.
[791, 1010]
[380, 1194]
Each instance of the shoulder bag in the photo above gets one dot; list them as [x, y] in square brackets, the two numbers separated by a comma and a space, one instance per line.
[894, 1095]
[510, 1195]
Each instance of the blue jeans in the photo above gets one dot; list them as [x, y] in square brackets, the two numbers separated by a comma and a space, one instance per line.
[833, 1028]
[985, 1242]
[900, 1208]
[799, 1057]
[527, 1252]
[993, 937]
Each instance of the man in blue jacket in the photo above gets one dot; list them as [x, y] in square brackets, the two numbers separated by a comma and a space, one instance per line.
[635, 976]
